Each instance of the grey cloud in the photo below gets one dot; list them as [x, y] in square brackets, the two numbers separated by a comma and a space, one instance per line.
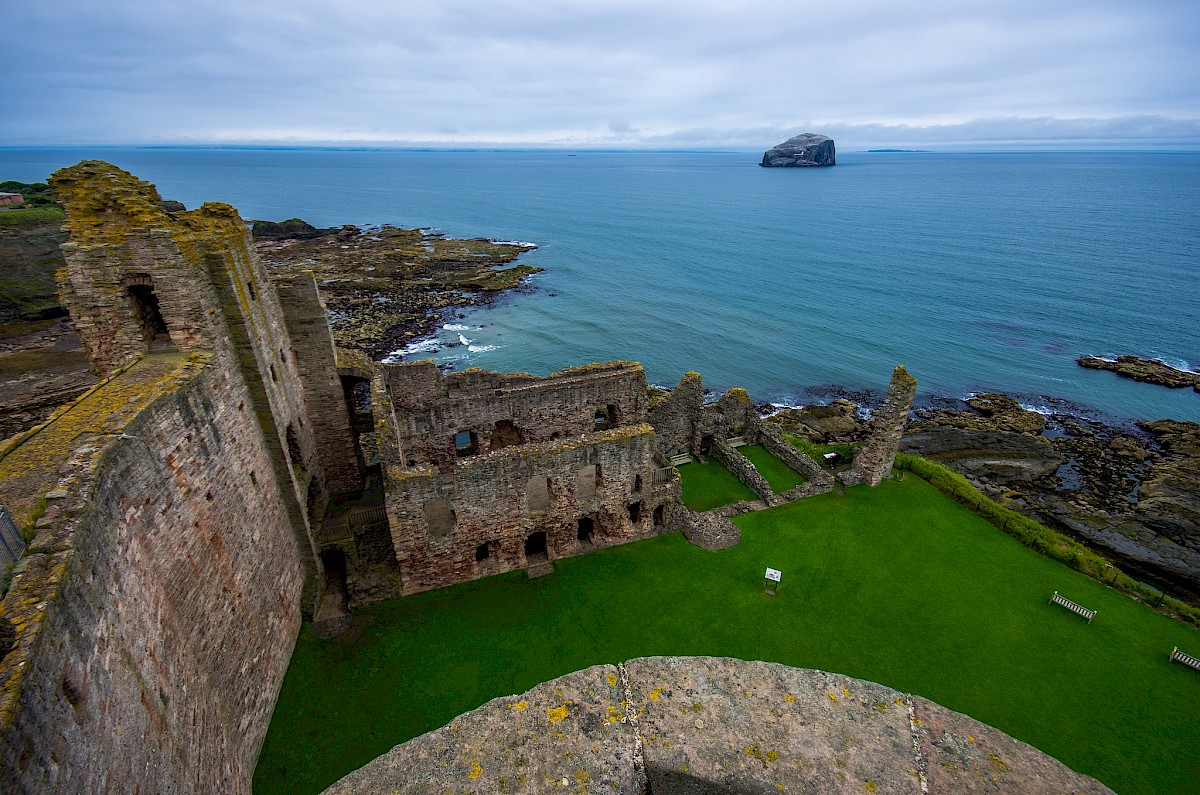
[536, 71]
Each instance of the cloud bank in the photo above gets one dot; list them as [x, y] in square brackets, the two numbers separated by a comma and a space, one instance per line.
[618, 73]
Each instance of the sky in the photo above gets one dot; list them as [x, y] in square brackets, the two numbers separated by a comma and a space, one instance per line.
[661, 74]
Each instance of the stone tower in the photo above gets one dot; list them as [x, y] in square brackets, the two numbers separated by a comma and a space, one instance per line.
[874, 461]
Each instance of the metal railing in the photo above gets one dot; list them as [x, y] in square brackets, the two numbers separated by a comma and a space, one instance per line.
[12, 546]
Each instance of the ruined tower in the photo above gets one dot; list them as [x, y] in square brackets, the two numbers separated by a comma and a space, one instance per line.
[874, 461]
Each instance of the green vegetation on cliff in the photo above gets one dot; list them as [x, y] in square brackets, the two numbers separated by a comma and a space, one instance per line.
[896, 584]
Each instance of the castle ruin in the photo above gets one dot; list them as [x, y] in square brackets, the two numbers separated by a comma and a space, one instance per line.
[234, 472]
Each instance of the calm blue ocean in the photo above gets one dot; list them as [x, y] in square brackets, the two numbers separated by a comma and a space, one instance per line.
[977, 271]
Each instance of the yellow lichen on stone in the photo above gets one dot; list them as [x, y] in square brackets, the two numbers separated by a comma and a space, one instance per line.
[519, 705]
[870, 786]
[788, 697]
[476, 769]
[655, 693]
[555, 714]
[614, 715]
[612, 680]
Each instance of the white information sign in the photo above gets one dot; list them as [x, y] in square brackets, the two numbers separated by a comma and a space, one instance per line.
[773, 574]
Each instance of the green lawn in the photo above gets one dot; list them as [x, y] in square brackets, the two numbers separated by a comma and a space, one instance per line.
[897, 585]
[710, 485]
[781, 476]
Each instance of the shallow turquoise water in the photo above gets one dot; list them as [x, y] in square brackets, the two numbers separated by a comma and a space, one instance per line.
[977, 271]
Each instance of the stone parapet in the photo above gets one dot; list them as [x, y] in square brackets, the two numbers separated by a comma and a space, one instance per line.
[695, 725]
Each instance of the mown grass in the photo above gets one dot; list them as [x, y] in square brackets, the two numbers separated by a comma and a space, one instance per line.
[781, 476]
[31, 216]
[710, 485]
[896, 584]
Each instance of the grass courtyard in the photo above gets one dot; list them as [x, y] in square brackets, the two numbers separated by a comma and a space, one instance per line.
[897, 585]
[709, 485]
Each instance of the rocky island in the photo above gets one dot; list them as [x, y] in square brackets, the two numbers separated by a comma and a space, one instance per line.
[801, 151]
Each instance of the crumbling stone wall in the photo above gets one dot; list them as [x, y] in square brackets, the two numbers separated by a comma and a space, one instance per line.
[557, 465]
[157, 607]
[742, 468]
[499, 410]
[874, 460]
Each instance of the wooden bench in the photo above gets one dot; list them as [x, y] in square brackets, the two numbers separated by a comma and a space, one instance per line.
[736, 441]
[1186, 659]
[680, 460]
[1058, 599]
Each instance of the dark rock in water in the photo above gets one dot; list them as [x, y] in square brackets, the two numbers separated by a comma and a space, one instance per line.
[1149, 371]
[291, 229]
[806, 149]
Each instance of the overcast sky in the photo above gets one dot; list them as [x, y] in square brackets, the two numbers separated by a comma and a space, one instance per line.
[617, 73]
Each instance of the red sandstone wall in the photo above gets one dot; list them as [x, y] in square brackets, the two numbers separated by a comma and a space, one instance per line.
[162, 648]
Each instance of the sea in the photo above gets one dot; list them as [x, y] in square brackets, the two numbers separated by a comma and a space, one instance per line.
[977, 271]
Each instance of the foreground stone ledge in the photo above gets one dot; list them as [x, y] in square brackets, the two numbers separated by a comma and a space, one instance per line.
[699, 725]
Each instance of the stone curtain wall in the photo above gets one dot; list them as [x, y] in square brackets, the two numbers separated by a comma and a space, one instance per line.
[874, 460]
[315, 356]
[501, 498]
[743, 469]
[158, 623]
[213, 294]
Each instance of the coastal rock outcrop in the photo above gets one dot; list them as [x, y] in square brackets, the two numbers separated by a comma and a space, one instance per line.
[801, 151]
[1148, 371]
[1132, 492]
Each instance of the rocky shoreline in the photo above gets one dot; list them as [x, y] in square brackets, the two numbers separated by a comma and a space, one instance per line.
[384, 286]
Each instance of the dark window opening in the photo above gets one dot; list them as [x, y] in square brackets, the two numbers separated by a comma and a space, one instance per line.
[637, 483]
[149, 314]
[606, 417]
[466, 443]
[659, 518]
[635, 512]
[505, 434]
[250, 288]
[485, 551]
[274, 375]
[293, 445]
[535, 544]
[334, 561]
[706, 445]
[586, 527]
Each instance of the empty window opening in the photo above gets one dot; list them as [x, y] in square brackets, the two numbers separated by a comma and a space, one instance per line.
[439, 518]
[606, 417]
[334, 562]
[706, 444]
[635, 512]
[148, 312]
[293, 445]
[505, 434]
[659, 516]
[535, 545]
[466, 443]
[537, 493]
[586, 480]
[587, 527]
[485, 552]
[637, 483]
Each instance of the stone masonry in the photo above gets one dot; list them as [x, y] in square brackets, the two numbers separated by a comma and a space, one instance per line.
[698, 725]
[487, 472]
[874, 460]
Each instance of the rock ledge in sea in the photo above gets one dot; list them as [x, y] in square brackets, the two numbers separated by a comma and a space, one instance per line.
[801, 151]
[1149, 371]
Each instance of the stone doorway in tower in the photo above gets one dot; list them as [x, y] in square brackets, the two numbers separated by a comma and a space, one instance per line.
[535, 546]
[149, 314]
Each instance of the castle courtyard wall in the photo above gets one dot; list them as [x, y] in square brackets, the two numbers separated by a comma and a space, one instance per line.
[157, 608]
